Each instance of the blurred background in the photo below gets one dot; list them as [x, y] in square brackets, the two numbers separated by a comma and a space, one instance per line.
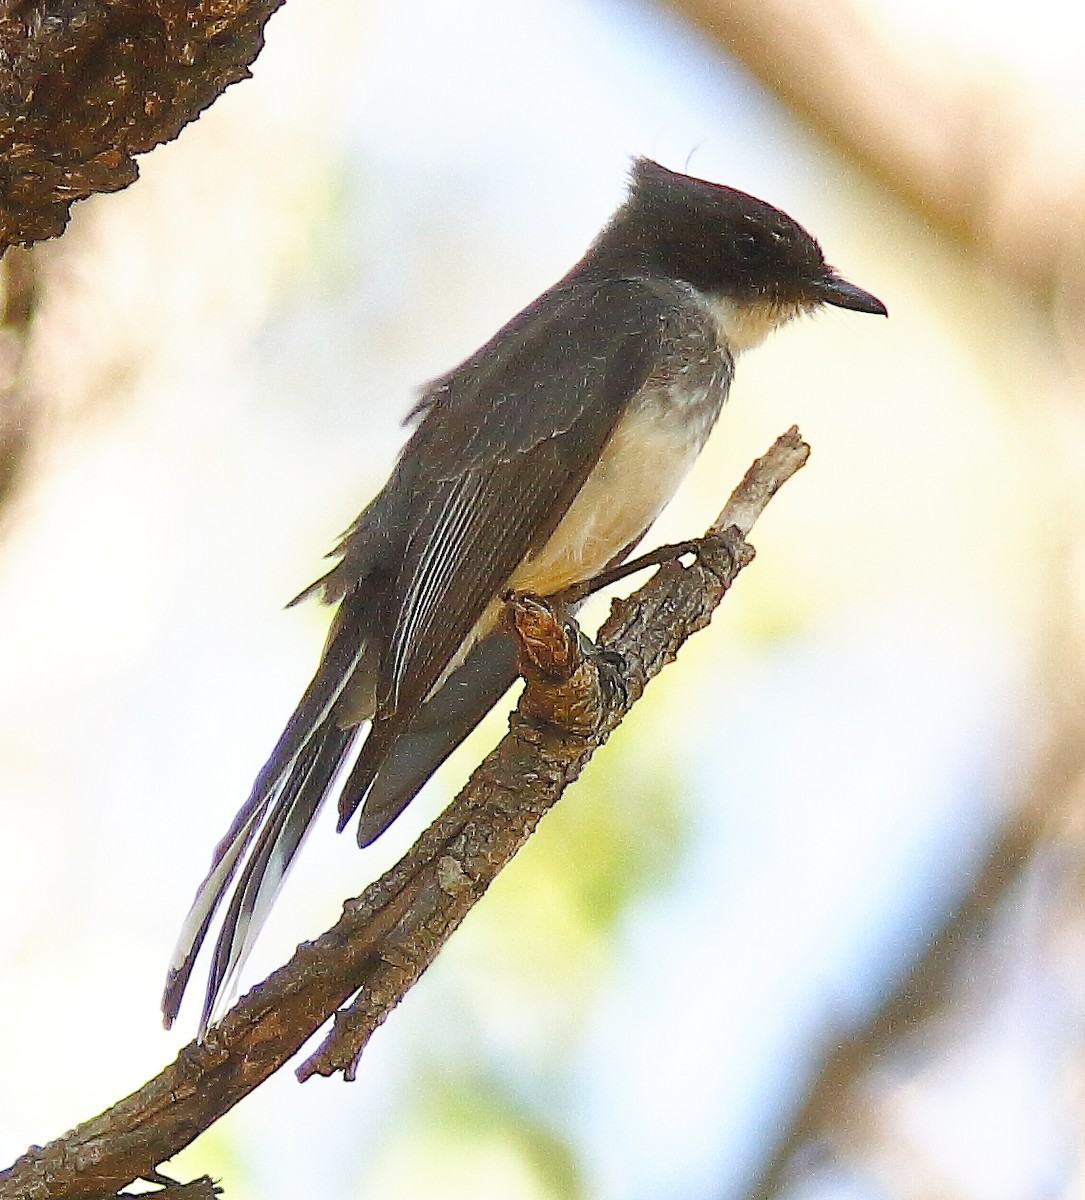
[811, 925]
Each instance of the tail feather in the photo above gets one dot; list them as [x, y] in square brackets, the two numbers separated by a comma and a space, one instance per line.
[397, 758]
[272, 853]
[294, 781]
[439, 727]
[227, 855]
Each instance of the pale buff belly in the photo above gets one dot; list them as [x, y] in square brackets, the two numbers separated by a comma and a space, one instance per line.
[647, 457]
[645, 460]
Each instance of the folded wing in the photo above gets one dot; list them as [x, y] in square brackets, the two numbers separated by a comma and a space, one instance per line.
[504, 444]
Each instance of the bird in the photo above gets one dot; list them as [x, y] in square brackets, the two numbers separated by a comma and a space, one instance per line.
[535, 464]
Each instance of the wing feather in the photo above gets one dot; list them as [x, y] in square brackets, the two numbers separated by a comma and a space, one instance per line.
[507, 445]
[530, 432]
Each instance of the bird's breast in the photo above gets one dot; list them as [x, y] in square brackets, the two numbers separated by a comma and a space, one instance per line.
[650, 451]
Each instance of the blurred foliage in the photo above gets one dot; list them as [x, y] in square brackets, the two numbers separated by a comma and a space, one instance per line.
[618, 834]
[468, 1136]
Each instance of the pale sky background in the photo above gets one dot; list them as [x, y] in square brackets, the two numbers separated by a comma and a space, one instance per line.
[244, 330]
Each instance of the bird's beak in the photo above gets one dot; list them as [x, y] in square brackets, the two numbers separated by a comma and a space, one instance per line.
[842, 294]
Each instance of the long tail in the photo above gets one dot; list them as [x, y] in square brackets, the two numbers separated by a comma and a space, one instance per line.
[268, 831]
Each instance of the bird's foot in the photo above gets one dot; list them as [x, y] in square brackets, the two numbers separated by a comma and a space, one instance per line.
[572, 684]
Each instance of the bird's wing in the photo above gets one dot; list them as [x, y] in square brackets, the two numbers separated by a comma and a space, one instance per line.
[443, 722]
[506, 446]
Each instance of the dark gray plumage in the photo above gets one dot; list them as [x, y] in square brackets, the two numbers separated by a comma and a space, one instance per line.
[534, 464]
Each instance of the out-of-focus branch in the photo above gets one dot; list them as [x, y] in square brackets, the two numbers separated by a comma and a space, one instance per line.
[835, 1113]
[87, 84]
[947, 133]
[962, 142]
[18, 297]
[387, 937]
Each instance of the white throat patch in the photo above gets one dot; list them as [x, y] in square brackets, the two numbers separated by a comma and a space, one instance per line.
[743, 325]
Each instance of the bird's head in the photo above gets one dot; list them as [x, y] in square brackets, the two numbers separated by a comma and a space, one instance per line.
[756, 265]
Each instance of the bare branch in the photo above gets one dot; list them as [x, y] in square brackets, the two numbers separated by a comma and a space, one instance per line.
[389, 935]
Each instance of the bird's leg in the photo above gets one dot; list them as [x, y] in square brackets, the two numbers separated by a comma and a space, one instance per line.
[704, 546]
[552, 648]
